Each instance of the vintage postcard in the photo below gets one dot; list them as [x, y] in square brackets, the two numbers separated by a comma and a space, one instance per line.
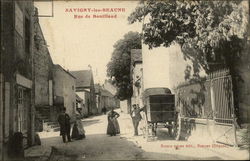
[124, 80]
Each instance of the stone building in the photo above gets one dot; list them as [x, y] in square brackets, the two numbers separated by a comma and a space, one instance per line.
[43, 66]
[17, 87]
[104, 98]
[110, 87]
[85, 89]
[64, 87]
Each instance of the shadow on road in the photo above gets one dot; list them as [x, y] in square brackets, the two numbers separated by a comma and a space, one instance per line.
[162, 134]
[90, 122]
[103, 147]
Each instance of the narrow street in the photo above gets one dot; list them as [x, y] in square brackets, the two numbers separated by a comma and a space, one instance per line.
[98, 146]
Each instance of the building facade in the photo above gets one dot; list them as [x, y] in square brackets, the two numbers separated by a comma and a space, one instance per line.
[85, 89]
[105, 98]
[17, 87]
[64, 90]
[84, 95]
[43, 73]
[43, 66]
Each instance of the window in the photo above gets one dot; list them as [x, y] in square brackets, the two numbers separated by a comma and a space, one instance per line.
[23, 106]
[27, 35]
[20, 95]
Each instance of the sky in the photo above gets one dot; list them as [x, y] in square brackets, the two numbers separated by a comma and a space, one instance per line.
[76, 43]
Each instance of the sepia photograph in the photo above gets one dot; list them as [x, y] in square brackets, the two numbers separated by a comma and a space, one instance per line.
[124, 80]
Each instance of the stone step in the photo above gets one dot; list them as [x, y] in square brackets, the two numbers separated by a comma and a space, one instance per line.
[42, 117]
[47, 113]
[49, 129]
[56, 129]
[46, 120]
[50, 123]
[54, 126]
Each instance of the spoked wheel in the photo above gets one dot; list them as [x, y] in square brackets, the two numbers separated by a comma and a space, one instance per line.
[154, 127]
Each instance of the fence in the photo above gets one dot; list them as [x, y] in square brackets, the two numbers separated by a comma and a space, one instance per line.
[222, 97]
[211, 98]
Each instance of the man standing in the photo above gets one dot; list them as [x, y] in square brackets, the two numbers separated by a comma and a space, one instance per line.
[136, 117]
[64, 122]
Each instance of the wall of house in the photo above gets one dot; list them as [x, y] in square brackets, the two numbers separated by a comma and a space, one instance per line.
[85, 96]
[16, 58]
[99, 103]
[123, 106]
[94, 109]
[243, 69]
[109, 102]
[108, 86]
[1, 115]
[165, 65]
[42, 69]
[64, 86]
[243, 83]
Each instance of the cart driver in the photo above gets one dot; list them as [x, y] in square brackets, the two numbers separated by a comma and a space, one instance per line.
[136, 117]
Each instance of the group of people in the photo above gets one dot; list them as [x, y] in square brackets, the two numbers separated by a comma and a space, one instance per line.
[113, 126]
[78, 131]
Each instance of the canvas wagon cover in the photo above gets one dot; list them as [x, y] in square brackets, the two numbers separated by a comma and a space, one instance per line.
[156, 91]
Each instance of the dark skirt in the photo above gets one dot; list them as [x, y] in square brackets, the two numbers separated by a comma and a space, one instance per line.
[113, 127]
[75, 133]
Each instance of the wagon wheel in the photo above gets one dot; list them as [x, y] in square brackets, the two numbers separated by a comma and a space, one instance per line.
[171, 129]
[154, 127]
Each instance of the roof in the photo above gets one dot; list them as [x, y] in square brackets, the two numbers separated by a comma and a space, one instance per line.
[156, 91]
[104, 92]
[136, 56]
[61, 68]
[83, 78]
[78, 98]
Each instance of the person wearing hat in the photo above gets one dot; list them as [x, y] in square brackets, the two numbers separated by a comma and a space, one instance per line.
[136, 117]
[64, 122]
[78, 131]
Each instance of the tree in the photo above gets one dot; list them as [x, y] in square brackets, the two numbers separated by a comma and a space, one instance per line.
[119, 66]
[212, 34]
[209, 32]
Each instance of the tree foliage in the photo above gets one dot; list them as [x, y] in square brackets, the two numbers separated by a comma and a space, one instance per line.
[119, 66]
[211, 33]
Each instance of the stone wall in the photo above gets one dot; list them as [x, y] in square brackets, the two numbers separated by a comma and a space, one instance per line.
[42, 68]
[17, 59]
[64, 86]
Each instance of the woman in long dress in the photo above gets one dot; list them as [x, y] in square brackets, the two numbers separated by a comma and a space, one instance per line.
[78, 131]
[113, 125]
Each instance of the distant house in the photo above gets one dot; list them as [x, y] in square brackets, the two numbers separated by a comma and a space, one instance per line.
[104, 98]
[80, 104]
[85, 90]
[110, 87]
[64, 90]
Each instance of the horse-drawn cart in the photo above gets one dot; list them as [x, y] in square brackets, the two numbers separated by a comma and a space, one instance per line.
[160, 112]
